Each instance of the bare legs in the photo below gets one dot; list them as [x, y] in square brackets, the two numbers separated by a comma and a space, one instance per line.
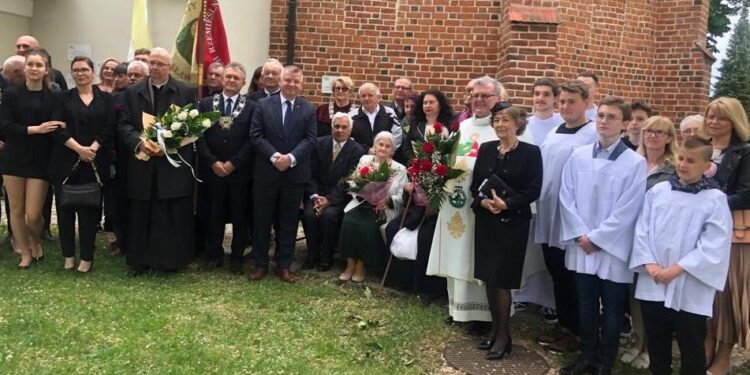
[720, 360]
[26, 197]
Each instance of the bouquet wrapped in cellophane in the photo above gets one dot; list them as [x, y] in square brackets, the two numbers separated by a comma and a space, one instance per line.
[179, 126]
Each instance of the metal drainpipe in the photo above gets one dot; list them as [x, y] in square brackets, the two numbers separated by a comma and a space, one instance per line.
[291, 30]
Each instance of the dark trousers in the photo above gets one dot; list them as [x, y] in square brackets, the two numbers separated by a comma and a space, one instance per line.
[275, 199]
[227, 199]
[600, 337]
[47, 210]
[564, 287]
[690, 330]
[88, 218]
[321, 232]
[116, 205]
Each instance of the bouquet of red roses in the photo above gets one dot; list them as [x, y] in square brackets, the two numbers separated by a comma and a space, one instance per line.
[371, 182]
[430, 169]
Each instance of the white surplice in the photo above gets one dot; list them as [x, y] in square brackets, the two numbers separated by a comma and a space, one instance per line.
[601, 198]
[556, 150]
[452, 251]
[692, 230]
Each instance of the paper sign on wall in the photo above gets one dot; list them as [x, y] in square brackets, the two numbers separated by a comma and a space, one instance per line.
[78, 50]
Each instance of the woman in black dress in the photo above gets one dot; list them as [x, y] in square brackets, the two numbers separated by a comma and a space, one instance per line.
[91, 126]
[28, 114]
[507, 178]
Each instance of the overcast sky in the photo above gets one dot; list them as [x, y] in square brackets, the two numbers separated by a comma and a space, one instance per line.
[721, 45]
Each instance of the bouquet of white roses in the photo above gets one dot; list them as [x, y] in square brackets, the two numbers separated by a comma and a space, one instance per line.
[179, 126]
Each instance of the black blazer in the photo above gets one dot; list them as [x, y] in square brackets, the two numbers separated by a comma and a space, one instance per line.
[521, 169]
[327, 173]
[269, 137]
[96, 125]
[18, 111]
[171, 182]
[363, 133]
[232, 144]
[733, 174]
[260, 94]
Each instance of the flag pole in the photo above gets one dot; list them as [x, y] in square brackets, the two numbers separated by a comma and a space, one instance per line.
[200, 34]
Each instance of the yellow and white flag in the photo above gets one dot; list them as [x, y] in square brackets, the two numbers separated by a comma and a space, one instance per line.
[185, 65]
[139, 34]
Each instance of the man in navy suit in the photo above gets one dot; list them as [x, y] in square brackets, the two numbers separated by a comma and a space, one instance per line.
[334, 158]
[225, 163]
[283, 135]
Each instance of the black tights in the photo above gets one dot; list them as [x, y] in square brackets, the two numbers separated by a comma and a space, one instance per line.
[499, 301]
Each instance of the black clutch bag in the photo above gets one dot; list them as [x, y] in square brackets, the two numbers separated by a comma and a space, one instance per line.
[81, 195]
[493, 182]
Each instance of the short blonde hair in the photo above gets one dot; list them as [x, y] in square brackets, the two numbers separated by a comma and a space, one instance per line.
[344, 80]
[664, 124]
[732, 109]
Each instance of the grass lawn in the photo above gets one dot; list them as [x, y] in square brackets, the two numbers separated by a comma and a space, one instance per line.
[194, 322]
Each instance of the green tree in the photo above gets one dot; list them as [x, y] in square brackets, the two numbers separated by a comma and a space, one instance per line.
[719, 12]
[735, 69]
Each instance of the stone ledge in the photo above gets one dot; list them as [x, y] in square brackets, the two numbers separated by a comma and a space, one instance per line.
[531, 14]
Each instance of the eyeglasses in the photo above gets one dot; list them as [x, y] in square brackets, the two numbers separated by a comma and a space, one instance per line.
[341, 88]
[482, 96]
[81, 71]
[157, 64]
[402, 87]
[607, 118]
[655, 133]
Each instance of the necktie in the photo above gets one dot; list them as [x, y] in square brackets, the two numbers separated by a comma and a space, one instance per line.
[336, 150]
[228, 108]
[288, 116]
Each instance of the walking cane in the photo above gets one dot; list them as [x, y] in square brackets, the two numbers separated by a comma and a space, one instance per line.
[401, 225]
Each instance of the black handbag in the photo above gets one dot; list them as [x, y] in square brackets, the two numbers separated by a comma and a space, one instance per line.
[81, 195]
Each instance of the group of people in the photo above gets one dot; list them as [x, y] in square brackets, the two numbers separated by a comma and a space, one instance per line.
[597, 206]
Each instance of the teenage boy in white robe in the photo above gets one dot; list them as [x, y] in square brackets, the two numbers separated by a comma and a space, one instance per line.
[602, 193]
[576, 131]
[681, 252]
[536, 284]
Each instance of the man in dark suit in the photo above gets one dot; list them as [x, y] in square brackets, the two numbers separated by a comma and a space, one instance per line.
[334, 158]
[270, 75]
[225, 153]
[214, 79]
[283, 135]
[161, 209]
[401, 88]
[372, 118]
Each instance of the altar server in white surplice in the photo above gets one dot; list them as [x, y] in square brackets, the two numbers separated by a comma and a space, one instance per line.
[602, 192]
[559, 143]
[681, 252]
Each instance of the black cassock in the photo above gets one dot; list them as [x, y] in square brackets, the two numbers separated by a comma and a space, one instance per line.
[161, 222]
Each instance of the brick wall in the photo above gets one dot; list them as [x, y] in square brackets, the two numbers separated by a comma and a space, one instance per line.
[641, 49]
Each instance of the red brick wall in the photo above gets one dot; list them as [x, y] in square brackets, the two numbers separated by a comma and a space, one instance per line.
[641, 49]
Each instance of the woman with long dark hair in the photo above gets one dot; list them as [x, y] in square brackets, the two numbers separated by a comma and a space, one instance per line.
[28, 114]
[431, 107]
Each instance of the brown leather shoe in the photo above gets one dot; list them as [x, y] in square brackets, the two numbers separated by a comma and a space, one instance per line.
[286, 276]
[257, 273]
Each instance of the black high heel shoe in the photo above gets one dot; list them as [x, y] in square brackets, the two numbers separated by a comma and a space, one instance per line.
[486, 344]
[498, 355]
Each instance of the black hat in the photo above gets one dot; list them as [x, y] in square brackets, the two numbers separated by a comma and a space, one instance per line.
[500, 106]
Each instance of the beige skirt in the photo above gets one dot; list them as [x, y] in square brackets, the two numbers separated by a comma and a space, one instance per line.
[731, 320]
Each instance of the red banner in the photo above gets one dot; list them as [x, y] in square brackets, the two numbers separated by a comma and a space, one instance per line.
[215, 46]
